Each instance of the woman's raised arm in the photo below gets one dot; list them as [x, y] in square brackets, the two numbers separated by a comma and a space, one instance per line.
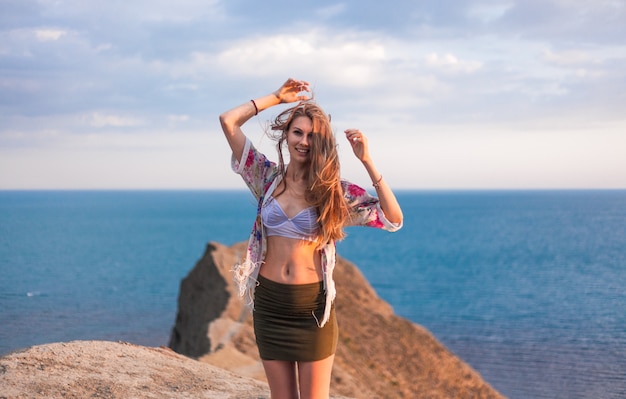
[388, 201]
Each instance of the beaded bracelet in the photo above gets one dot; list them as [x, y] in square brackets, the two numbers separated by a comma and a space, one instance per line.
[256, 109]
[377, 184]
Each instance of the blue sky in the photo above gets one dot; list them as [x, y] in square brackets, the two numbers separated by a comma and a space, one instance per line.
[459, 94]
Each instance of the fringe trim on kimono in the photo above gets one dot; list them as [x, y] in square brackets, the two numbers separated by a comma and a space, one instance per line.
[329, 283]
[245, 274]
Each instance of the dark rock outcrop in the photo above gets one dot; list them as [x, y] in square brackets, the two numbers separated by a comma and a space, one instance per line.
[380, 355]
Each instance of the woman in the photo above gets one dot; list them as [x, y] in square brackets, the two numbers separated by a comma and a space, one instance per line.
[302, 210]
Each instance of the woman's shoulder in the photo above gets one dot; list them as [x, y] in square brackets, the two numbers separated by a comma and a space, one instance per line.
[253, 156]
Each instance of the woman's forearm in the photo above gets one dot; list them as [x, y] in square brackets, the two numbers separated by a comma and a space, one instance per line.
[387, 198]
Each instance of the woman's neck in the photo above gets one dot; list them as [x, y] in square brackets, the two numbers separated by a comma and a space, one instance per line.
[295, 174]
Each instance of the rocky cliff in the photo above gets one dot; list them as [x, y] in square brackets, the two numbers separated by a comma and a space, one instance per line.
[380, 355]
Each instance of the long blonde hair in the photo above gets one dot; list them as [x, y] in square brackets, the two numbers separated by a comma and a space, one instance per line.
[323, 187]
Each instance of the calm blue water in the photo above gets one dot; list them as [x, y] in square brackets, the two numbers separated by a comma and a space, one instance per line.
[527, 287]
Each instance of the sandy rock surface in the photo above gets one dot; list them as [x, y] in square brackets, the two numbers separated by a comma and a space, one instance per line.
[98, 369]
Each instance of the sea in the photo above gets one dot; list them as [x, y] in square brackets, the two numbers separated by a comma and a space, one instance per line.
[527, 287]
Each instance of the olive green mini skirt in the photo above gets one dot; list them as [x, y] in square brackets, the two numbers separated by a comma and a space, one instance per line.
[286, 322]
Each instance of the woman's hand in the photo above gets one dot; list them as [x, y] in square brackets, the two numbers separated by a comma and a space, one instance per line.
[290, 91]
[358, 141]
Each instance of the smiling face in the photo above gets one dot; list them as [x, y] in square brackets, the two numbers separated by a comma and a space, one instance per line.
[299, 139]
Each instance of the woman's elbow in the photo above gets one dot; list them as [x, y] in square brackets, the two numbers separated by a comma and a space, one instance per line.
[396, 216]
[399, 220]
[227, 123]
[224, 119]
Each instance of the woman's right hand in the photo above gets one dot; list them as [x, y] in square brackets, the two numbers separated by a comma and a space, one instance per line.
[290, 91]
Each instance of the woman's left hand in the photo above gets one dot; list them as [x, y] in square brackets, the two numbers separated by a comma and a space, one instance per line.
[358, 141]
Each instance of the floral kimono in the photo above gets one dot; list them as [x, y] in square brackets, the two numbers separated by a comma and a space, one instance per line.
[262, 177]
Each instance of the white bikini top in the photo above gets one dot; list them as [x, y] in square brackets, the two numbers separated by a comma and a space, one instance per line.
[303, 226]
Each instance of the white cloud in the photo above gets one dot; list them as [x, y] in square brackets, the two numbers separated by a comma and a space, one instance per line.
[178, 118]
[586, 5]
[100, 120]
[103, 47]
[489, 11]
[567, 57]
[331, 11]
[139, 10]
[46, 35]
[343, 60]
[450, 63]
[183, 87]
[176, 121]
[178, 11]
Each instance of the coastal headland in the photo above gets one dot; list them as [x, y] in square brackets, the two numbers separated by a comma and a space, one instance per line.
[213, 353]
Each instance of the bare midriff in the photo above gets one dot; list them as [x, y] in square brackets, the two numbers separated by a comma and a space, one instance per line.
[291, 261]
